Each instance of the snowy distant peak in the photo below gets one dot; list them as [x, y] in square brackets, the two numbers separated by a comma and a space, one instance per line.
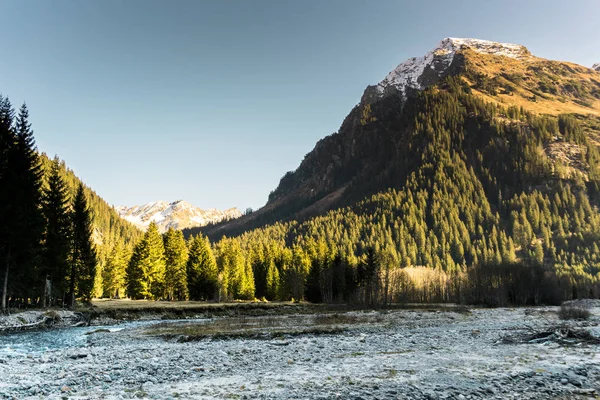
[596, 67]
[178, 215]
[420, 72]
[485, 46]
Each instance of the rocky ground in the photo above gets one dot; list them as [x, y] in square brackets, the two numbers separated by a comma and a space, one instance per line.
[408, 354]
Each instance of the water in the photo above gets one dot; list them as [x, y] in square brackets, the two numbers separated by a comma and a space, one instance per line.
[35, 342]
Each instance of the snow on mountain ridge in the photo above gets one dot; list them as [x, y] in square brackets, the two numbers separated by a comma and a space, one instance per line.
[178, 215]
[416, 73]
[596, 67]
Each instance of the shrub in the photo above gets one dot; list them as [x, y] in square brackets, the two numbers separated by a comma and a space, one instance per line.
[573, 312]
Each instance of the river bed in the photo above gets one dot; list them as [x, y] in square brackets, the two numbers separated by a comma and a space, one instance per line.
[406, 354]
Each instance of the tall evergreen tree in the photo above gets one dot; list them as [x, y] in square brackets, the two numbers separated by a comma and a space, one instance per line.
[57, 243]
[83, 262]
[24, 223]
[113, 274]
[272, 281]
[146, 269]
[176, 256]
[137, 284]
[155, 263]
[313, 283]
[7, 143]
[202, 273]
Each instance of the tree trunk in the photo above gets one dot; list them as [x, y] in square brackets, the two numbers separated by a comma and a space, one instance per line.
[5, 284]
[72, 286]
[45, 293]
[73, 269]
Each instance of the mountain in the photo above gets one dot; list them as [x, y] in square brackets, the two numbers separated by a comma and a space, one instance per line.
[178, 215]
[596, 67]
[469, 174]
[374, 150]
[418, 73]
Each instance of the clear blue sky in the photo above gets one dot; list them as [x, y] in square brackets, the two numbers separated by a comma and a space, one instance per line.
[212, 102]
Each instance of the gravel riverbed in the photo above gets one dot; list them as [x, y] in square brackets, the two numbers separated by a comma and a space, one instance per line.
[407, 354]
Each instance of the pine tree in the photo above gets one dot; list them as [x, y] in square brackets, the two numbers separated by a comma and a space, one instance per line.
[137, 284]
[57, 243]
[7, 143]
[113, 274]
[23, 220]
[313, 283]
[272, 281]
[202, 272]
[83, 262]
[155, 263]
[146, 269]
[248, 288]
[176, 256]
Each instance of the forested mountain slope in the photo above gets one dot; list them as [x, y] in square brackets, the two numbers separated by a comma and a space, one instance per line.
[109, 229]
[375, 138]
[476, 154]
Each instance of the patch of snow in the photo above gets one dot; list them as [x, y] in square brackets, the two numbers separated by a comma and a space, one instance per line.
[409, 74]
[596, 67]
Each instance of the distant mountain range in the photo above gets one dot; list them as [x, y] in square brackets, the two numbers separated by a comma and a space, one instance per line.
[178, 215]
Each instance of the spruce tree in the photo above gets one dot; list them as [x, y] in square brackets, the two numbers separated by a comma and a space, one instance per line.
[146, 269]
[272, 281]
[202, 273]
[137, 284]
[57, 243]
[248, 288]
[176, 256]
[22, 219]
[29, 184]
[113, 274]
[155, 263]
[7, 143]
[83, 261]
[313, 283]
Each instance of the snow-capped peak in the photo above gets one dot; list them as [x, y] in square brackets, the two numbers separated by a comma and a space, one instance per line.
[596, 67]
[419, 72]
[178, 215]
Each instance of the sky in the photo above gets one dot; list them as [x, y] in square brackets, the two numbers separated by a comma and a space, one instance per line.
[213, 101]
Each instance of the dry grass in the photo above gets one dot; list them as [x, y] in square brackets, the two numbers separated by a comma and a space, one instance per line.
[525, 77]
[135, 309]
[263, 327]
[126, 304]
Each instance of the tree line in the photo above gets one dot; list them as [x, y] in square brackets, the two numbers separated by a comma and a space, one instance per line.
[47, 255]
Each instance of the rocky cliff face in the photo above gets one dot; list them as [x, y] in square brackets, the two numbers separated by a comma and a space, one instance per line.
[178, 215]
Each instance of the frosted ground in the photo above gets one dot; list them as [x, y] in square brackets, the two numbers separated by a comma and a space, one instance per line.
[408, 354]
